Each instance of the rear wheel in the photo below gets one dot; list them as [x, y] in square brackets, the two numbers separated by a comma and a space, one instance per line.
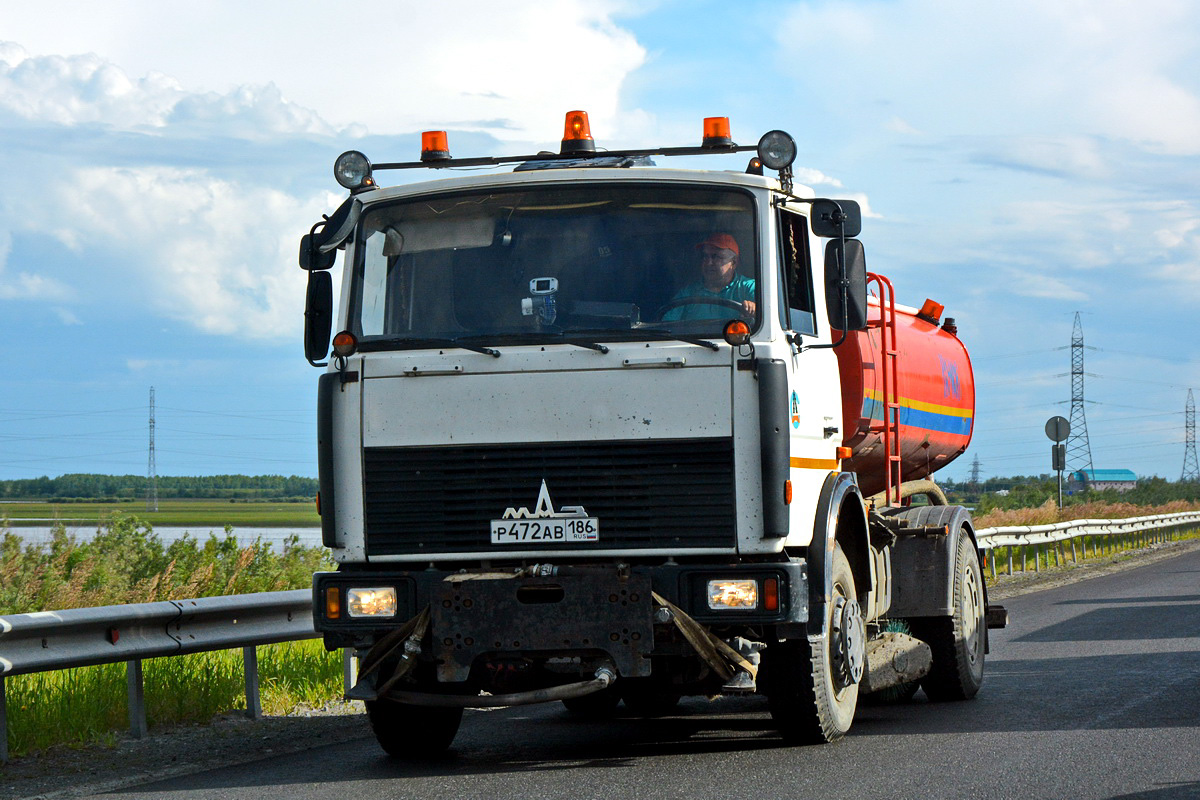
[405, 731]
[957, 641]
[812, 685]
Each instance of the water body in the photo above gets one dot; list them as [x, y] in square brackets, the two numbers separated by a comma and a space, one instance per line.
[310, 537]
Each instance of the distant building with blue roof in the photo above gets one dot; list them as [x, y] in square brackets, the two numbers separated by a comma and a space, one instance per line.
[1122, 480]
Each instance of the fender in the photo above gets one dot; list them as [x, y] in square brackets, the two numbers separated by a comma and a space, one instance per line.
[924, 565]
[839, 495]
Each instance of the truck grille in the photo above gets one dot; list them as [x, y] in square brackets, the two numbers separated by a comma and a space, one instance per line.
[645, 494]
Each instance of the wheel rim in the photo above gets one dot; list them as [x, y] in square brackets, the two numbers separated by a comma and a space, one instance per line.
[848, 642]
[972, 613]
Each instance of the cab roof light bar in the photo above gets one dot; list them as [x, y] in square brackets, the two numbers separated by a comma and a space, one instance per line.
[775, 147]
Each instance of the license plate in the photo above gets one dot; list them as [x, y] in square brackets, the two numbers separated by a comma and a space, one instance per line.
[549, 531]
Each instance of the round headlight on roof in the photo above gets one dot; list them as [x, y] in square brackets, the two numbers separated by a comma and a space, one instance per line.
[352, 170]
[777, 149]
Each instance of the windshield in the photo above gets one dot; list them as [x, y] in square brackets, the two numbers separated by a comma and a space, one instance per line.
[555, 261]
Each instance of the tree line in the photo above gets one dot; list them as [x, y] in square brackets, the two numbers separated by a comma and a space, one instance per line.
[100, 487]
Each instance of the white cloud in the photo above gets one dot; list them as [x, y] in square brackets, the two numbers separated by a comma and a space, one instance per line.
[86, 89]
[509, 68]
[207, 251]
[1025, 67]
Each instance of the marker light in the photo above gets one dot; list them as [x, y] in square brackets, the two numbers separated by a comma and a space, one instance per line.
[716, 132]
[345, 344]
[737, 332]
[729, 594]
[333, 603]
[777, 149]
[435, 146]
[353, 170]
[931, 311]
[787, 492]
[577, 134]
[754, 167]
[771, 594]
[377, 601]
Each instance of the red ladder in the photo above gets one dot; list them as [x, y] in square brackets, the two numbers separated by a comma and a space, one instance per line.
[890, 426]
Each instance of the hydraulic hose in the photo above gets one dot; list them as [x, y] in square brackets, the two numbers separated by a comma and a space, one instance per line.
[604, 678]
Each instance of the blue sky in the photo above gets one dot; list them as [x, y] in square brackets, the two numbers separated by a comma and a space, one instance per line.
[159, 160]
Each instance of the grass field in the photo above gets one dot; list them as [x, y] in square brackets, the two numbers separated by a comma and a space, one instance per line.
[210, 513]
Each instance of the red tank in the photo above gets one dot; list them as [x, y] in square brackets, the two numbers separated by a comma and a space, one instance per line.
[935, 391]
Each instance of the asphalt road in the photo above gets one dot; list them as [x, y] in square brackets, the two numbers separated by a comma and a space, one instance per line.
[1093, 691]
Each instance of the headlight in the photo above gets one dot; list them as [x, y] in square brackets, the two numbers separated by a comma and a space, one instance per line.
[352, 170]
[378, 601]
[777, 149]
[727, 594]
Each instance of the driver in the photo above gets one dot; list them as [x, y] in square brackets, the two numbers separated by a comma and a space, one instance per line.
[719, 278]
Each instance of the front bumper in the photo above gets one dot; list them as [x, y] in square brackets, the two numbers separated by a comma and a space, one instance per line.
[548, 611]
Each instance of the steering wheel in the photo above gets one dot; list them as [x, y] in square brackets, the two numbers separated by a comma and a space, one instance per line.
[701, 301]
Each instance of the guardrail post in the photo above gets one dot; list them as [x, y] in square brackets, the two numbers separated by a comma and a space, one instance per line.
[137, 698]
[3, 724]
[1010, 561]
[1074, 558]
[253, 701]
[1024, 555]
[1037, 558]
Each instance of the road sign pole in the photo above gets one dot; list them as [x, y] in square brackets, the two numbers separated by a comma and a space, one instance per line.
[1057, 431]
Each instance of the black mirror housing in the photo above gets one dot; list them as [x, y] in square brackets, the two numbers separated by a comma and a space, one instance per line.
[311, 258]
[833, 219]
[318, 316]
[849, 264]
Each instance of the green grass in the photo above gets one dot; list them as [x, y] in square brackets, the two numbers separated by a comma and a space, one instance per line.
[89, 705]
[206, 514]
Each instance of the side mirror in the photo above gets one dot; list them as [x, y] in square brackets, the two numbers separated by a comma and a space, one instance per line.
[833, 219]
[318, 317]
[311, 258]
[849, 265]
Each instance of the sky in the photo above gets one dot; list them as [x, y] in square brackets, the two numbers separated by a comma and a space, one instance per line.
[159, 160]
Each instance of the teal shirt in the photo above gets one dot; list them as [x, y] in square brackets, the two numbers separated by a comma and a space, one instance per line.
[740, 289]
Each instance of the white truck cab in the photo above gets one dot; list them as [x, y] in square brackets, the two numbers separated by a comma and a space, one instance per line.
[580, 440]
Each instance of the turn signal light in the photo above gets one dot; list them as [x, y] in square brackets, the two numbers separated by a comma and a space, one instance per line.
[345, 344]
[333, 603]
[435, 146]
[787, 492]
[771, 594]
[844, 453]
[716, 132]
[737, 332]
[577, 134]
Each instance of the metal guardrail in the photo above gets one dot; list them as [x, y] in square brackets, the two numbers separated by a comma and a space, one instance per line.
[80, 637]
[1105, 534]
[53, 640]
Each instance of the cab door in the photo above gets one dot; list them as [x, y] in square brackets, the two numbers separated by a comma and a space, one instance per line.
[814, 390]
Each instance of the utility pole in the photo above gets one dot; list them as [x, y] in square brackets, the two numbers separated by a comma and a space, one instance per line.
[1079, 450]
[151, 470]
[1191, 468]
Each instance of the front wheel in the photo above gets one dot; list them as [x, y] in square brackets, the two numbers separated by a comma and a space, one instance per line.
[957, 641]
[405, 731]
[812, 685]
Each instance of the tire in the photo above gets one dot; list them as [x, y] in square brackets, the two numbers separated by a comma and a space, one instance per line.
[595, 705]
[412, 732]
[958, 641]
[812, 685]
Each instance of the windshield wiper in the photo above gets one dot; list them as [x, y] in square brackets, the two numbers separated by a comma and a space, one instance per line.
[633, 334]
[436, 342]
[666, 335]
